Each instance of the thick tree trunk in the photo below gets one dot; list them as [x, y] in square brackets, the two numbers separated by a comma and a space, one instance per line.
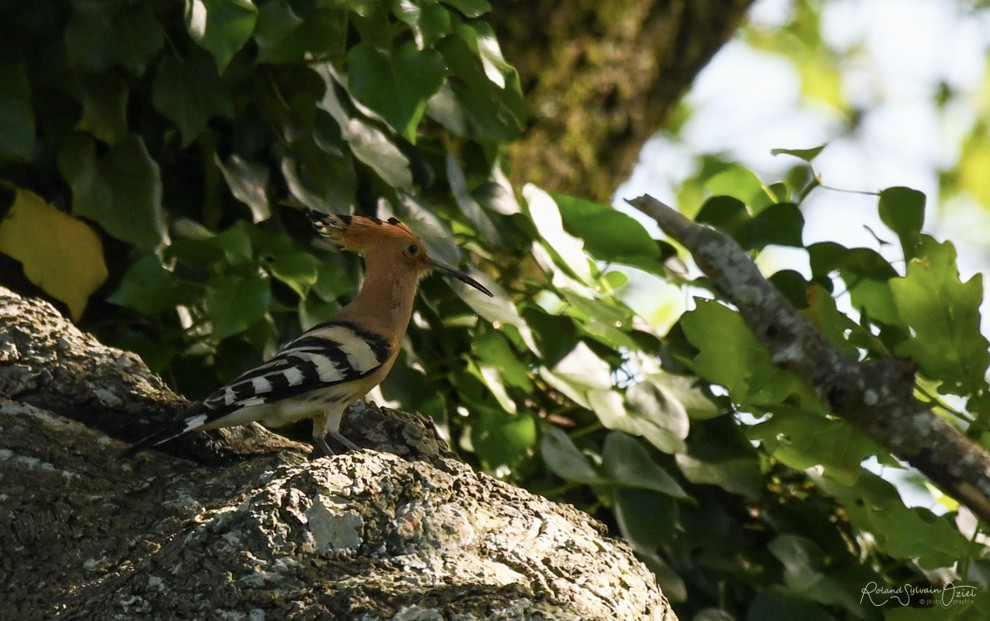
[601, 78]
[408, 533]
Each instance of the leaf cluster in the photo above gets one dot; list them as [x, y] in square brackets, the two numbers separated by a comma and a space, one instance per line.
[155, 157]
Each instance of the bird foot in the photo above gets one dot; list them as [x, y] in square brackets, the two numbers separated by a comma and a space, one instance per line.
[323, 448]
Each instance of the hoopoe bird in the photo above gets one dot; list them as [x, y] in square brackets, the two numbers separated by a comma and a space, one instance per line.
[336, 362]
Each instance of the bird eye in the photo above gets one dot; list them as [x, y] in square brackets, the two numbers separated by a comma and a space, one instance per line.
[413, 249]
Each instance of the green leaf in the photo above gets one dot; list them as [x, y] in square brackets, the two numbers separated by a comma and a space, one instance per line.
[626, 463]
[546, 215]
[292, 266]
[470, 8]
[804, 154]
[467, 204]
[802, 440]
[780, 224]
[903, 211]
[826, 317]
[318, 179]
[646, 518]
[743, 184]
[610, 235]
[248, 182]
[431, 21]
[726, 213]
[221, 27]
[395, 84]
[494, 113]
[16, 114]
[104, 101]
[283, 36]
[121, 191]
[720, 455]
[565, 460]
[150, 289]
[852, 263]
[502, 440]
[481, 39]
[59, 253]
[102, 34]
[189, 93]
[493, 349]
[730, 355]
[779, 604]
[944, 314]
[654, 411]
[234, 303]
[874, 505]
[804, 573]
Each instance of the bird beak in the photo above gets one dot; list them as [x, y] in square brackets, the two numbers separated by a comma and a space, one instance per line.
[459, 275]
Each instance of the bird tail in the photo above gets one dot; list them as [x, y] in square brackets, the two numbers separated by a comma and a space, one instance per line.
[190, 420]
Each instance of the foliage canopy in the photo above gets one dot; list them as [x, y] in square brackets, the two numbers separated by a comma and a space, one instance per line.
[154, 160]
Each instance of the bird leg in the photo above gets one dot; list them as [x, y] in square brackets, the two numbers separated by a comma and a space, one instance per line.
[323, 448]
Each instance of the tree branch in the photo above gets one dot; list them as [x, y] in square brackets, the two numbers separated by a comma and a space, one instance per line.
[369, 534]
[876, 397]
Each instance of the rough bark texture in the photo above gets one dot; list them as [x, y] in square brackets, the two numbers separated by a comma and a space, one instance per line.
[601, 78]
[407, 534]
[877, 396]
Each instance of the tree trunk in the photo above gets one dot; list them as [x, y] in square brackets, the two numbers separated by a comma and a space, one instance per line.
[410, 533]
[601, 78]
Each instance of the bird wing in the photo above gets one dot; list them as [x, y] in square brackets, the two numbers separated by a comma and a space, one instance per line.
[330, 353]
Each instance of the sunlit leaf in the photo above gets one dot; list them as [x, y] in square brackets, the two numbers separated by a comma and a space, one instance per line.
[468, 205]
[248, 182]
[944, 314]
[807, 155]
[493, 348]
[610, 235]
[397, 83]
[493, 113]
[59, 253]
[801, 441]
[470, 8]
[221, 27]
[730, 355]
[741, 183]
[502, 440]
[546, 216]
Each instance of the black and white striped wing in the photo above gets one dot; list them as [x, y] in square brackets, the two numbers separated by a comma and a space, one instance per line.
[328, 354]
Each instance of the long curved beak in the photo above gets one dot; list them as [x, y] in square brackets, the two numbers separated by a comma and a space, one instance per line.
[459, 275]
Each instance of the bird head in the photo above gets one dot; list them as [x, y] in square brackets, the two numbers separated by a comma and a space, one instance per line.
[385, 240]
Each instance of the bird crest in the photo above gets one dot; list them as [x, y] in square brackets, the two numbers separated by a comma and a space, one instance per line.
[355, 233]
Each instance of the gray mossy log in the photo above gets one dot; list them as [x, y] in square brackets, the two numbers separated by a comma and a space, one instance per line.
[408, 533]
